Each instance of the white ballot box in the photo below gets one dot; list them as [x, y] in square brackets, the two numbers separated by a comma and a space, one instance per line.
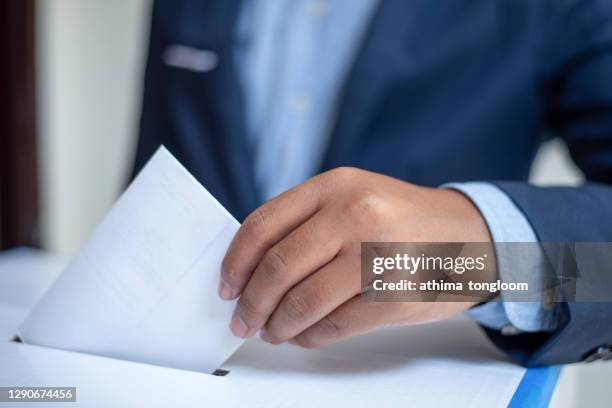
[447, 364]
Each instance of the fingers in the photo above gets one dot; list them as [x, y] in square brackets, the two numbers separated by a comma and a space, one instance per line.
[262, 229]
[350, 319]
[306, 249]
[314, 298]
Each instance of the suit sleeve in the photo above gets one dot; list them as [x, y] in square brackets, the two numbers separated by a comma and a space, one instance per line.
[575, 73]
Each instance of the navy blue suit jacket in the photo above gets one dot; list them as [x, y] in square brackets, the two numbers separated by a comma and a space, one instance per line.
[441, 91]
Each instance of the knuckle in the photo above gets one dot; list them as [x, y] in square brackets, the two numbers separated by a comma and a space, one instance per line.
[248, 310]
[295, 306]
[274, 265]
[339, 175]
[305, 340]
[325, 331]
[229, 271]
[272, 336]
[255, 222]
[368, 207]
[331, 328]
[345, 172]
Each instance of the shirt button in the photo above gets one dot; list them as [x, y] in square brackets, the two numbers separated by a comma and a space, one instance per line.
[548, 299]
[601, 353]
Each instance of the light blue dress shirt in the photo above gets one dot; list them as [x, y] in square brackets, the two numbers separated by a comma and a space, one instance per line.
[294, 56]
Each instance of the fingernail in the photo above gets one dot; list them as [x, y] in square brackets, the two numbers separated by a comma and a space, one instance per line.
[225, 291]
[238, 327]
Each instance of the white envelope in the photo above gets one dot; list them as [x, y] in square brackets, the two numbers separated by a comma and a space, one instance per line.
[144, 287]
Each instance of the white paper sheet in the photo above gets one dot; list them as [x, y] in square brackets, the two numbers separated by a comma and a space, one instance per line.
[144, 287]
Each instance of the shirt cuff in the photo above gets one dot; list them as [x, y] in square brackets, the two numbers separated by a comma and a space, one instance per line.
[507, 223]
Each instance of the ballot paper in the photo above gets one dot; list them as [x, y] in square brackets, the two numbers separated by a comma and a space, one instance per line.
[144, 286]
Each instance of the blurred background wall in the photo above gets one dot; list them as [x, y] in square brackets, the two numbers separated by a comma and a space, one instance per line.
[90, 57]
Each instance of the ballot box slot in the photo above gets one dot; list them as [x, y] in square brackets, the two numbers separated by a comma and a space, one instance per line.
[219, 372]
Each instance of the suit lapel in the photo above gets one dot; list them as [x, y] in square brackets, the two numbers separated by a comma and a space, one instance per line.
[375, 64]
[213, 24]
[237, 154]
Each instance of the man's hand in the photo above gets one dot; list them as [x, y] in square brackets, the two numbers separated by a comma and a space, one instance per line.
[295, 262]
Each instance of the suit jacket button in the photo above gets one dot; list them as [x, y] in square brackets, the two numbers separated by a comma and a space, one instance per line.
[510, 330]
[602, 353]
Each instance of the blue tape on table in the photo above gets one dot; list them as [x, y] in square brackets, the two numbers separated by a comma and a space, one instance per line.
[536, 387]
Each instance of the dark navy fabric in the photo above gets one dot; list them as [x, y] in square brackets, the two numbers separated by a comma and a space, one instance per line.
[442, 91]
